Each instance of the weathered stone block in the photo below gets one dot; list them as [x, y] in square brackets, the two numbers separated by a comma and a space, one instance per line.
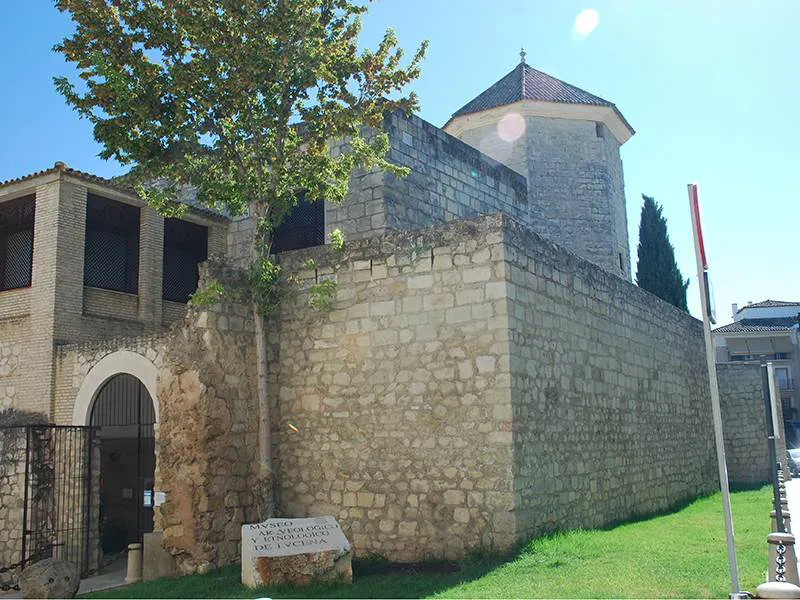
[454, 497]
[50, 578]
[332, 566]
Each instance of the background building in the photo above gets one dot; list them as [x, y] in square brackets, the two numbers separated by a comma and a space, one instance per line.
[767, 331]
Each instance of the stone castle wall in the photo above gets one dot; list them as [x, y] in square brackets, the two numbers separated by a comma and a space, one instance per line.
[563, 178]
[744, 424]
[612, 416]
[449, 180]
[393, 408]
[474, 384]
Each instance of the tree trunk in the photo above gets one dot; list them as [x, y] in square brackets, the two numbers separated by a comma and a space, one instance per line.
[264, 422]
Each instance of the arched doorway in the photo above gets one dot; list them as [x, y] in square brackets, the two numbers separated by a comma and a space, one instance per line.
[124, 414]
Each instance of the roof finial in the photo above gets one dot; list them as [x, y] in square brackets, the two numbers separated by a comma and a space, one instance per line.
[522, 55]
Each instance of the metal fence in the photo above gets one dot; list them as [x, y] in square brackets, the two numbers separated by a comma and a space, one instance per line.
[53, 513]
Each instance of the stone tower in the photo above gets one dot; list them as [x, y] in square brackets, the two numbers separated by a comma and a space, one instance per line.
[566, 142]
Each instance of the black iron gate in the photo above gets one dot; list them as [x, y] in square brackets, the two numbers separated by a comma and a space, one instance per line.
[49, 497]
[124, 414]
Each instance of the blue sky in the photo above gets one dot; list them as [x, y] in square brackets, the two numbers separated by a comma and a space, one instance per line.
[710, 87]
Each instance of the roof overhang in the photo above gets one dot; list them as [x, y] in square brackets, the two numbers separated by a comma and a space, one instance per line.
[27, 184]
[776, 333]
[93, 183]
[608, 115]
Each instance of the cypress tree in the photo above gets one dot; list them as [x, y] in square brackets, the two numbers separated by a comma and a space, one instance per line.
[656, 269]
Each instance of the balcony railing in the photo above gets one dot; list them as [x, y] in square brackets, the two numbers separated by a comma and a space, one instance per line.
[786, 385]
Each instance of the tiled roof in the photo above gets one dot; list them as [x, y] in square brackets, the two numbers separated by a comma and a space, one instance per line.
[116, 183]
[526, 83]
[768, 304]
[777, 324]
[60, 166]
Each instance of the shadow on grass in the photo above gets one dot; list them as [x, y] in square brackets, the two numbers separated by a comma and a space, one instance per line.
[747, 487]
[672, 508]
[639, 517]
[372, 578]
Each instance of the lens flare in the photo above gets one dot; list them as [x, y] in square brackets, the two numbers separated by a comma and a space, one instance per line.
[511, 127]
[586, 22]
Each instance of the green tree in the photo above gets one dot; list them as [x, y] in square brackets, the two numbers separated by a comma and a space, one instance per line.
[656, 269]
[239, 99]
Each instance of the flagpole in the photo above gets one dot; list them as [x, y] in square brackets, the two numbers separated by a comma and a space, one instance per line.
[702, 267]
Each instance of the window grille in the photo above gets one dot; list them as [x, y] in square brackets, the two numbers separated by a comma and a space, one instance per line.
[16, 242]
[111, 255]
[303, 227]
[185, 246]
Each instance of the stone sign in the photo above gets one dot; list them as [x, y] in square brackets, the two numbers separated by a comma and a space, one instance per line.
[295, 551]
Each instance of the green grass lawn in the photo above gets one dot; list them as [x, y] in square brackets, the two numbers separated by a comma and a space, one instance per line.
[680, 555]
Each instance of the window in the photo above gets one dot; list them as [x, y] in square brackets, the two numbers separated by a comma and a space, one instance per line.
[16, 242]
[303, 227]
[185, 246]
[111, 254]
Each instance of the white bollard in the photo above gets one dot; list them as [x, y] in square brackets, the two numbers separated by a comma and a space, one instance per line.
[777, 589]
[134, 563]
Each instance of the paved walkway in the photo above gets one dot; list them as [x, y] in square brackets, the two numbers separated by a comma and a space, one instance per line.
[114, 576]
